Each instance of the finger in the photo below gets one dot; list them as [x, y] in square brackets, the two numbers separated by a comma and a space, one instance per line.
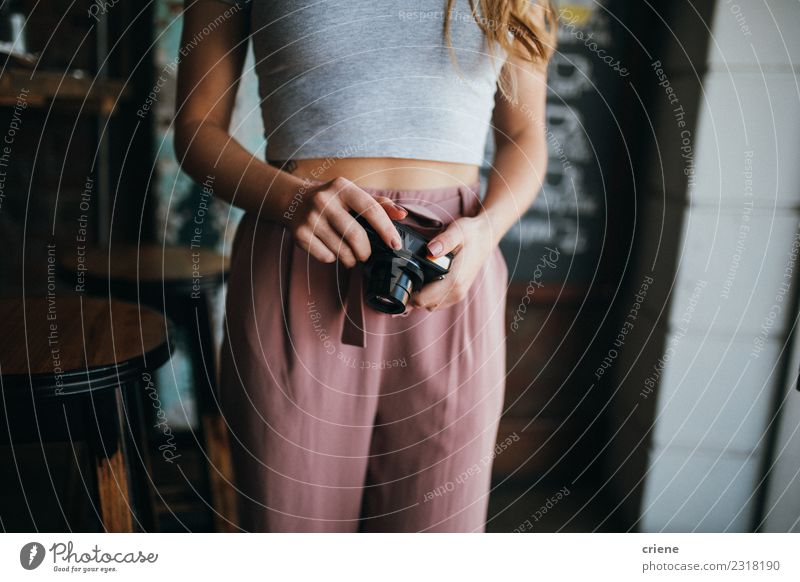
[431, 295]
[333, 240]
[394, 211]
[352, 233]
[447, 241]
[374, 213]
[320, 251]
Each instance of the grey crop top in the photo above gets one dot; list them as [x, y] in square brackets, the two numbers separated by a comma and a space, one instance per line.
[372, 78]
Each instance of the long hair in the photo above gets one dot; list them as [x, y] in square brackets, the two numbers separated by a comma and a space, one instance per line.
[523, 28]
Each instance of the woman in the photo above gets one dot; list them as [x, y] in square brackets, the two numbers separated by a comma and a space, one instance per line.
[344, 418]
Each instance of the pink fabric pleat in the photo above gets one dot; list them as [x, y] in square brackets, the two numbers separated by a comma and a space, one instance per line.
[346, 419]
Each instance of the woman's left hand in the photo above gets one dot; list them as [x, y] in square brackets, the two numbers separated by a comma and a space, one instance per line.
[469, 238]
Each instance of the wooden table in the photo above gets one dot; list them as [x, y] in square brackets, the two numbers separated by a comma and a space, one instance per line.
[69, 368]
[151, 268]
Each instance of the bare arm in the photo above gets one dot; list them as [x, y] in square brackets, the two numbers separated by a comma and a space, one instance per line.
[215, 42]
[517, 173]
[520, 160]
[208, 78]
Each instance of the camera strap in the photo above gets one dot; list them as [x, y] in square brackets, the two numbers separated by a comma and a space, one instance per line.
[353, 332]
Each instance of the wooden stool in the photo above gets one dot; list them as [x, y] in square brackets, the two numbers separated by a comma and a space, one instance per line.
[177, 281]
[70, 368]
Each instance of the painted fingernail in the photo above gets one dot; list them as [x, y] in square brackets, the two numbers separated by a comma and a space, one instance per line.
[435, 248]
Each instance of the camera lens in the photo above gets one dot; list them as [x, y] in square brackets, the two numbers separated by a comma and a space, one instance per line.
[385, 301]
[390, 282]
[392, 298]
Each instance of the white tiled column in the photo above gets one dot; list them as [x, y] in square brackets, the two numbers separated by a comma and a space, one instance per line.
[729, 306]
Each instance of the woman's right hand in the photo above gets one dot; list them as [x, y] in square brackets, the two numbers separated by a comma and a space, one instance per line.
[323, 226]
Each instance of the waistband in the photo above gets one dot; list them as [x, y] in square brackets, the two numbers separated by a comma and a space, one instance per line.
[464, 191]
[427, 194]
[436, 207]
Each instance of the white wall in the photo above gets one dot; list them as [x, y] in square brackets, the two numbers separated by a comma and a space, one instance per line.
[712, 408]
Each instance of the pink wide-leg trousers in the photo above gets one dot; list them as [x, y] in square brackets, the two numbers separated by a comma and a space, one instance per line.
[345, 419]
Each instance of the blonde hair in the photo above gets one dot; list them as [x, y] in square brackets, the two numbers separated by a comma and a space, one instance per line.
[525, 29]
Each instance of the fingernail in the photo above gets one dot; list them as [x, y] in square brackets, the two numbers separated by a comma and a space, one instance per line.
[396, 244]
[400, 208]
[435, 248]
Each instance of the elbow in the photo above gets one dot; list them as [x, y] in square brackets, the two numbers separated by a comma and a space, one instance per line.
[544, 160]
[536, 146]
[187, 139]
[181, 140]
[530, 143]
[191, 136]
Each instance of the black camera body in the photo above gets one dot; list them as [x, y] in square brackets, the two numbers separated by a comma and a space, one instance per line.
[390, 276]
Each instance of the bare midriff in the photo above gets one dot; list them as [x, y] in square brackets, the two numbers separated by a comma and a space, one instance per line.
[385, 173]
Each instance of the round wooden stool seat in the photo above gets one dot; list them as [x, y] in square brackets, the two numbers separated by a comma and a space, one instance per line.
[72, 371]
[73, 344]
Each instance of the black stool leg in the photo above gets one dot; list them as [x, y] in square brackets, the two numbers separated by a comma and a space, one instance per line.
[107, 445]
[137, 445]
[121, 481]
